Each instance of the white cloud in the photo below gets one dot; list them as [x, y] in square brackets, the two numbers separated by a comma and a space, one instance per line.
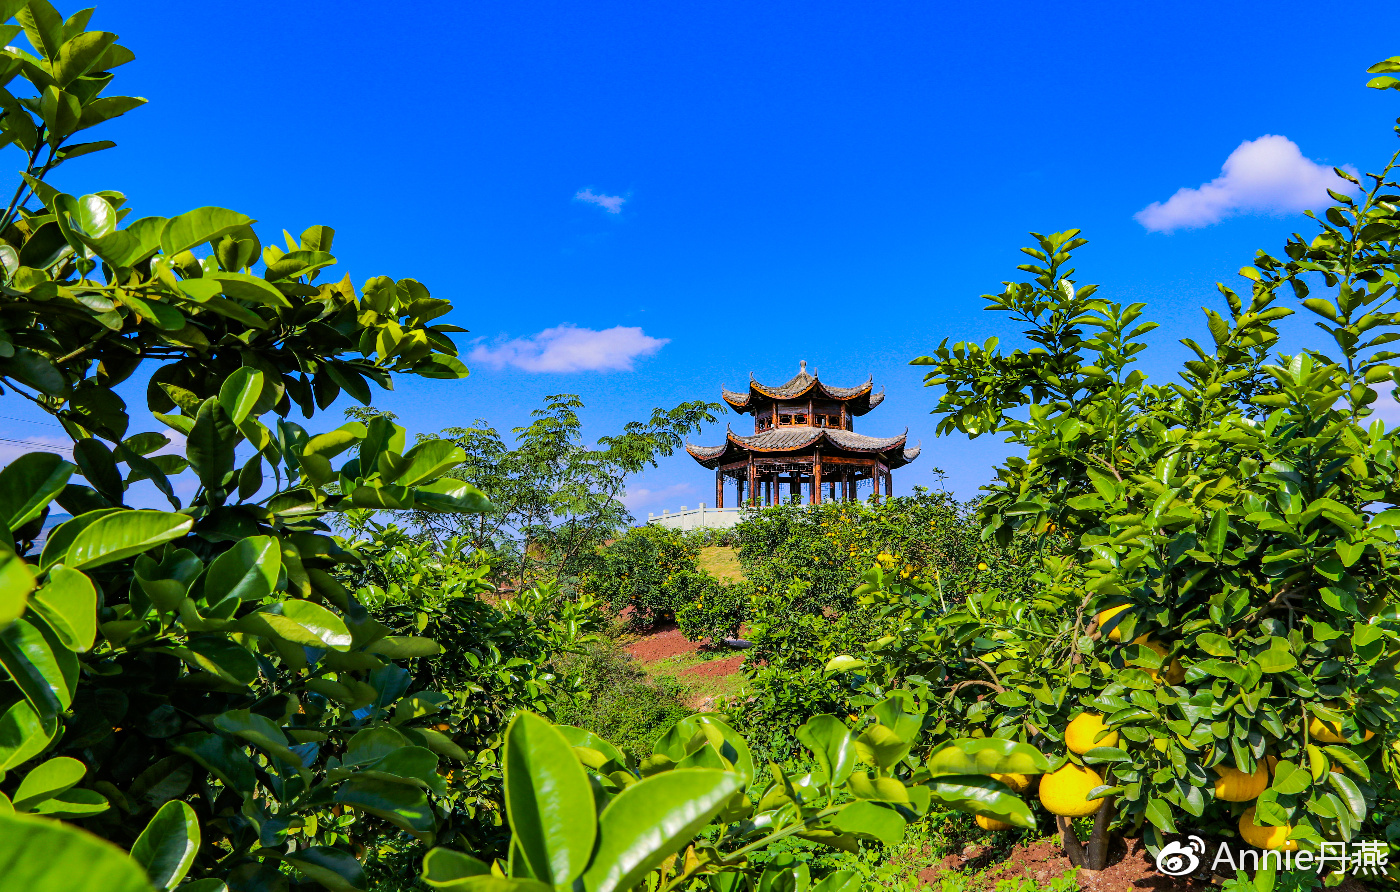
[610, 203]
[667, 497]
[1265, 175]
[567, 348]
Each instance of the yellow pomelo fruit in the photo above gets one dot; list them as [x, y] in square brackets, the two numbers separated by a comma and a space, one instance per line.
[1103, 618]
[1265, 837]
[1064, 791]
[1329, 732]
[1234, 785]
[1174, 674]
[1019, 783]
[993, 824]
[1080, 734]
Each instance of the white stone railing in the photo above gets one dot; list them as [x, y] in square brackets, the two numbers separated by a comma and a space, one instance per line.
[700, 518]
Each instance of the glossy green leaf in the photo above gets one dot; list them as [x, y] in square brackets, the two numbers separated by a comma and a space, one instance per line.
[546, 790]
[46, 780]
[448, 494]
[653, 819]
[197, 227]
[404, 647]
[29, 483]
[987, 756]
[585, 738]
[402, 805]
[73, 860]
[16, 582]
[680, 739]
[73, 804]
[983, 796]
[23, 735]
[34, 666]
[122, 534]
[210, 444]
[336, 870]
[453, 871]
[242, 286]
[429, 460]
[68, 600]
[832, 745]
[167, 847]
[300, 622]
[871, 820]
[258, 730]
[248, 571]
[239, 393]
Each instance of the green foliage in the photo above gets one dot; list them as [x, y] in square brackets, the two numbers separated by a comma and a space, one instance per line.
[583, 813]
[652, 569]
[556, 499]
[615, 699]
[717, 612]
[1239, 517]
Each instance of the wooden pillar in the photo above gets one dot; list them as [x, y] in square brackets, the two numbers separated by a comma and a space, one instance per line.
[817, 478]
[875, 479]
[753, 483]
[719, 488]
[843, 415]
[889, 483]
[796, 486]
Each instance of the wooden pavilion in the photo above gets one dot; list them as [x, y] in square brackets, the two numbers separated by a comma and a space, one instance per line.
[803, 438]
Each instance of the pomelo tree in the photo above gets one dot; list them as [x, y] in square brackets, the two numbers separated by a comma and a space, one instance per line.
[1229, 538]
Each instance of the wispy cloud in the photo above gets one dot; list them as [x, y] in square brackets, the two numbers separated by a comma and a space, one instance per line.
[610, 203]
[641, 497]
[567, 348]
[1265, 175]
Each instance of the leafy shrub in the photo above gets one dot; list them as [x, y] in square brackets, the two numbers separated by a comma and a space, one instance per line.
[651, 569]
[612, 697]
[717, 612]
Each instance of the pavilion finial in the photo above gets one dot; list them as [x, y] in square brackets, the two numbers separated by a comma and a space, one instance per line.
[802, 369]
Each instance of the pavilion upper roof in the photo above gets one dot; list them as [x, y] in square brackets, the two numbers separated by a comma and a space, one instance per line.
[801, 387]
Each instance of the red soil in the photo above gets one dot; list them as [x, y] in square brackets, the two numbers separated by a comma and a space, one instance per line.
[1130, 869]
[660, 643]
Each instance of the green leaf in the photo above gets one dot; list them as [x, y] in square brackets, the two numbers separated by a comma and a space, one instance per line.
[76, 57]
[239, 393]
[68, 601]
[870, 820]
[404, 647]
[121, 534]
[29, 483]
[688, 734]
[448, 494]
[832, 745]
[653, 819]
[428, 461]
[546, 792]
[988, 755]
[441, 367]
[1215, 645]
[16, 582]
[844, 663]
[168, 845]
[402, 805]
[247, 571]
[300, 622]
[73, 860]
[983, 796]
[455, 872]
[22, 735]
[47, 780]
[211, 443]
[336, 870]
[34, 666]
[196, 227]
[258, 730]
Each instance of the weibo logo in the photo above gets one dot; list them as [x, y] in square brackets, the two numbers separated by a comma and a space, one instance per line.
[1177, 859]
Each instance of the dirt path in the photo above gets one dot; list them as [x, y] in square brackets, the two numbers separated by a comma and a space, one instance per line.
[706, 674]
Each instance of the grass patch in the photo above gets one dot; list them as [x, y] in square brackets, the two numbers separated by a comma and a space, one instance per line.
[721, 562]
[698, 687]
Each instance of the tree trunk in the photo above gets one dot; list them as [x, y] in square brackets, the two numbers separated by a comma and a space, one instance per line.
[1073, 850]
[1097, 854]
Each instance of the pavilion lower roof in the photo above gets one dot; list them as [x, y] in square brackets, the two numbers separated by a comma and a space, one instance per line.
[801, 439]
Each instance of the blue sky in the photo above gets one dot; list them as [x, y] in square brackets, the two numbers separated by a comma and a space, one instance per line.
[772, 182]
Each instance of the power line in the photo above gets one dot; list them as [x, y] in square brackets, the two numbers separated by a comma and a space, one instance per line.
[29, 421]
[49, 446]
